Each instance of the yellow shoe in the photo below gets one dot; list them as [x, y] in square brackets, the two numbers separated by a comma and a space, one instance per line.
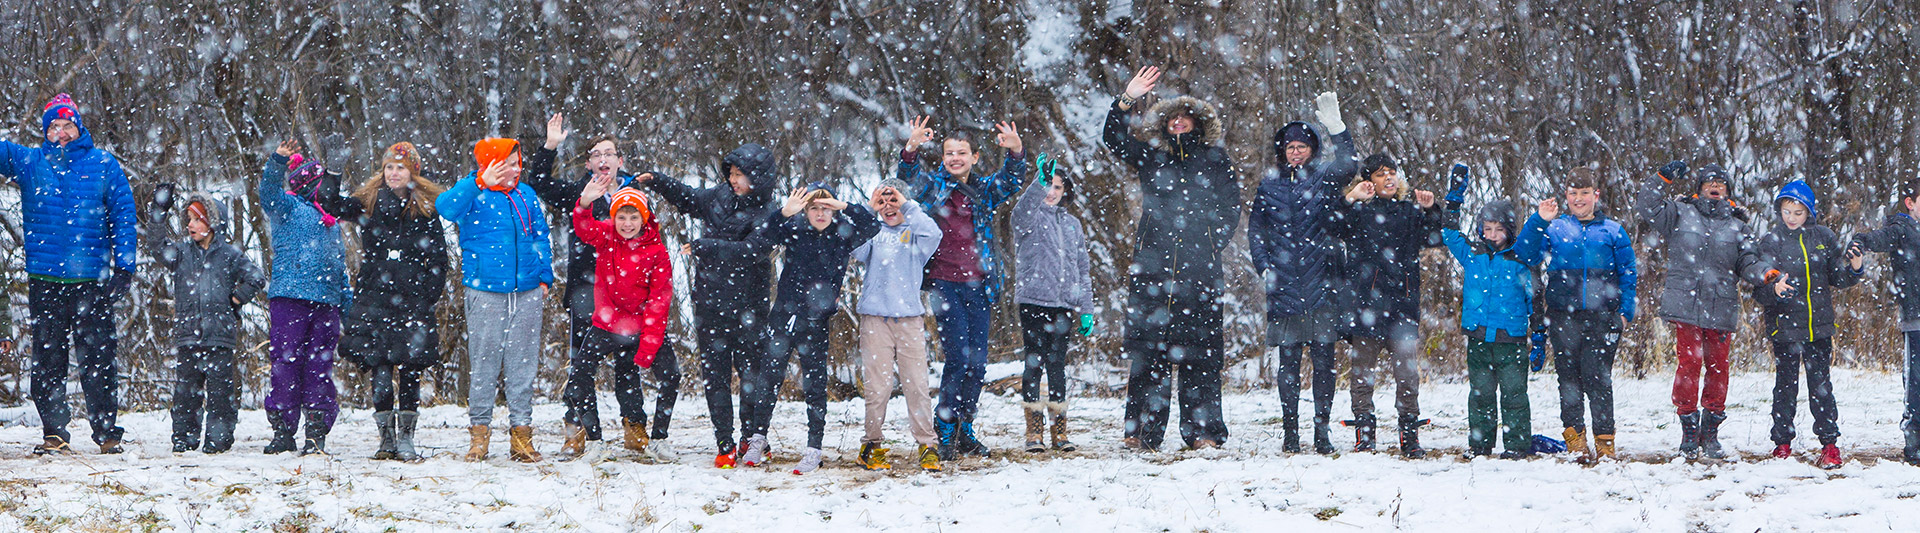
[576, 443]
[873, 457]
[520, 444]
[477, 448]
[1604, 445]
[1577, 443]
[929, 458]
[636, 435]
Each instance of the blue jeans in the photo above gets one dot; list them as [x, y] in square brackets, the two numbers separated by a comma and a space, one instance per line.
[962, 312]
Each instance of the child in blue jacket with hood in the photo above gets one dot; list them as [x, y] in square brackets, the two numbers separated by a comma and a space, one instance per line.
[1496, 301]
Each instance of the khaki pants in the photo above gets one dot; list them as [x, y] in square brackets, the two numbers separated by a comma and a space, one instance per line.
[1402, 355]
[896, 348]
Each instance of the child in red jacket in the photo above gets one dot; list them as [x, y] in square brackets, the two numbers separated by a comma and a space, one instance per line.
[632, 289]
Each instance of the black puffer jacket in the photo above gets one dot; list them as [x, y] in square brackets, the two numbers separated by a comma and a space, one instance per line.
[1384, 237]
[733, 266]
[206, 281]
[1813, 258]
[403, 275]
[1190, 204]
[1286, 229]
[1900, 240]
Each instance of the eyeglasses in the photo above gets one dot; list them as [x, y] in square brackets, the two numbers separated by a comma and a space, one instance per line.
[603, 153]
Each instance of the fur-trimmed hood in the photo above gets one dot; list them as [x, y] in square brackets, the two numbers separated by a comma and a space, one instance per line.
[1206, 122]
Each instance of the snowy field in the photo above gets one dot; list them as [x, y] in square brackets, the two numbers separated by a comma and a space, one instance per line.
[1248, 486]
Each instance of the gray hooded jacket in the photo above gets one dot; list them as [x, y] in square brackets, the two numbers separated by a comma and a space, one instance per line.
[1708, 255]
[1050, 254]
[206, 281]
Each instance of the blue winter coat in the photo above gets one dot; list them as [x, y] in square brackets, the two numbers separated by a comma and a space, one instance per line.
[1591, 268]
[1496, 294]
[308, 261]
[76, 207]
[1286, 229]
[503, 236]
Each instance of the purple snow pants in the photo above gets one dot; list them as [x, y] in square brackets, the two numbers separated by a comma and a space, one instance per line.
[304, 335]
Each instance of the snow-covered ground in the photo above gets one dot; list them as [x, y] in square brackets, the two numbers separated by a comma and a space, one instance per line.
[1248, 486]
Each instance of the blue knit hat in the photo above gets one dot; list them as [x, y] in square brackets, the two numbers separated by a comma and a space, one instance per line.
[1798, 191]
[60, 107]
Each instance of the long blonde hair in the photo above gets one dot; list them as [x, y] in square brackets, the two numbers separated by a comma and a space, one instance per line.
[424, 191]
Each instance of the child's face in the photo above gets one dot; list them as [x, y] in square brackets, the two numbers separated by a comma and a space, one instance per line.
[197, 230]
[628, 223]
[1493, 232]
[1793, 214]
[1913, 206]
[819, 216]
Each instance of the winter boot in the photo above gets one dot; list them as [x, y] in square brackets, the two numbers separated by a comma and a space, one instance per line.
[479, 437]
[383, 420]
[1784, 451]
[53, 444]
[1410, 438]
[317, 427]
[1603, 446]
[809, 462]
[282, 434]
[944, 430]
[1290, 433]
[520, 445]
[635, 437]
[756, 451]
[1577, 444]
[575, 444]
[1710, 435]
[873, 457]
[404, 423]
[1830, 457]
[1060, 442]
[1036, 426]
[1362, 434]
[1322, 437]
[1911, 454]
[964, 441]
[110, 447]
[929, 458]
[1690, 435]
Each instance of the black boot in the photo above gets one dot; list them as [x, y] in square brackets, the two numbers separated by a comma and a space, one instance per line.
[1912, 452]
[1710, 435]
[317, 428]
[1290, 438]
[404, 422]
[1362, 433]
[383, 420]
[944, 431]
[1690, 435]
[1410, 438]
[282, 434]
[1322, 437]
[966, 443]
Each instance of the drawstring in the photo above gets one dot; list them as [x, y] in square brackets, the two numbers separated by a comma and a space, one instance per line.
[522, 220]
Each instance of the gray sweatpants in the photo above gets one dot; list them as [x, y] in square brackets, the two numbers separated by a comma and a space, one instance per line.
[503, 344]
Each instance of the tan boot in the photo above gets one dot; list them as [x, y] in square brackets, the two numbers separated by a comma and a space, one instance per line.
[1036, 426]
[636, 437]
[1603, 444]
[477, 450]
[520, 445]
[576, 443]
[1059, 412]
[1577, 443]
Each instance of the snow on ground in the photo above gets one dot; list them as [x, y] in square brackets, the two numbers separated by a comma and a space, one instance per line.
[1248, 486]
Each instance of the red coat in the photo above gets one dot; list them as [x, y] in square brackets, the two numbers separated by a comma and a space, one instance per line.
[633, 282]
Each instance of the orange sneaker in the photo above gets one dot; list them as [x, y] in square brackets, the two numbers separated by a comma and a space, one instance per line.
[726, 458]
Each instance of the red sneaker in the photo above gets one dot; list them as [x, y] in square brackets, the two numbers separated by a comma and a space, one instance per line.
[1829, 457]
[725, 460]
[1784, 451]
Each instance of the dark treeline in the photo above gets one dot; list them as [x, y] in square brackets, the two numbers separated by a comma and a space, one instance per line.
[195, 92]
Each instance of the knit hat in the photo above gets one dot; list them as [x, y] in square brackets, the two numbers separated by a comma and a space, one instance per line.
[632, 198]
[307, 180]
[897, 185]
[197, 210]
[1376, 162]
[1710, 173]
[404, 153]
[1798, 191]
[60, 107]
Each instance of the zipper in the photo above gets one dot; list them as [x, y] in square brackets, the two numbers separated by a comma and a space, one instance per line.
[1807, 262]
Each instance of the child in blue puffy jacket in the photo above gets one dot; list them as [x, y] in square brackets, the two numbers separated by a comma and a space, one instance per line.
[1496, 301]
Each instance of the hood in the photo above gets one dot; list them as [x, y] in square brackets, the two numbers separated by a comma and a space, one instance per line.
[1207, 129]
[217, 215]
[756, 162]
[1798, 191]
[1295, 130]
[1501, 212]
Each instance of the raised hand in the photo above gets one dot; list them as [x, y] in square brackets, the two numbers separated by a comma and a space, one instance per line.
[287, 148]
[1008, 137]
[1143, 82]
[1549, 209]
[643, 178]
[494, 174]
[883, 197]
[796, 202]
[1424, 198]
[918, 133]
[1327, 110]
[1457, 190]
[1856, 257]
[556, 131]
[1361, 192]
[595, 189]
[830, 203]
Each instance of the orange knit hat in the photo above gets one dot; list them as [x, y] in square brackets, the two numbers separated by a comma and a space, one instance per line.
[631, 197]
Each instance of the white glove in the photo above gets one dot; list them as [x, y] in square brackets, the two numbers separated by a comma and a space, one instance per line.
[1328, 111]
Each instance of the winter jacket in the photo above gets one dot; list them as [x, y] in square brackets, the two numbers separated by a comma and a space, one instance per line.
[75, 206]
[895, 258]
[503, 236]
[1708, 255]
[733, 268]
[308, 260]
[1813, 258]
[206, 281]
[1496, 291]
[816, 260]
[403, 273]
[633, 281]
[1189, 206]
[1286, 229]
[1900, 240]
[933, 187]
[1591, 267]
[1050, 251]
[1384, 237]
[564, 195]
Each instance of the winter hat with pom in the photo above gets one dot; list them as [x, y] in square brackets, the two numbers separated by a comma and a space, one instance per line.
[306, 180]
[60, 107]
[632, 198]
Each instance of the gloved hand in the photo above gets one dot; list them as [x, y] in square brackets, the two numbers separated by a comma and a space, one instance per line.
[1538, 359]
[1673, 171]
[116, 286]
[1457, 192]
[1327, 110]
[163, 199]
[1086, 324]
[1044, 167]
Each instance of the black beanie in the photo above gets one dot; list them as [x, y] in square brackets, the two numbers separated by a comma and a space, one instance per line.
[1376, 162]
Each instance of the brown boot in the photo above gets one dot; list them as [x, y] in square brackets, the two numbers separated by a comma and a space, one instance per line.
[520, 445]
[1036, 426]
[636, 437]
[477, 450]
[576, 443]
[1059, 412]
[1577, 444]
[1603, 445]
